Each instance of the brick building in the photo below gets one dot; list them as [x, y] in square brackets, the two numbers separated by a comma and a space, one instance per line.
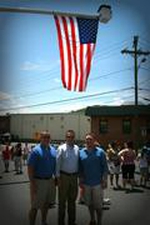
[120, 123]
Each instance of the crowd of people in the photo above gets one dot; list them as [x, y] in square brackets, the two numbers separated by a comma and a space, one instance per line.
[16, 153]
[70, 168]
[125, 160]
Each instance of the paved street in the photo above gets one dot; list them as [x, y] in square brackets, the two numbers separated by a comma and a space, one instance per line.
[126, 208]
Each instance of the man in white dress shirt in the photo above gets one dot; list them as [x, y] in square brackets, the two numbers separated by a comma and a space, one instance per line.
[67, 174]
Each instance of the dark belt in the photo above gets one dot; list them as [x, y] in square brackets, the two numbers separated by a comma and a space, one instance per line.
[68, 174]
[43, 178]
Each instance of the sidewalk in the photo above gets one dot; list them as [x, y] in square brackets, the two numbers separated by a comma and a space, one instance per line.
[11, 177]
[125, 208]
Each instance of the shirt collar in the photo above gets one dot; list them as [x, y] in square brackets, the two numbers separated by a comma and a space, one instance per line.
[45, 148]
[90, 151]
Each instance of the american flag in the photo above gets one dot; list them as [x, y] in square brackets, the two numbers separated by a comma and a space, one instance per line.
[77, 39]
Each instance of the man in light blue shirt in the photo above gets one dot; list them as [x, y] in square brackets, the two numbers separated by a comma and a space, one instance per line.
[67, 173]
[93, 176]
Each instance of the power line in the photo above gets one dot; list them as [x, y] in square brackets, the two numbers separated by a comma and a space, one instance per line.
[123, 98]
[109, 50]
[59, 87]
[114, 44]
[146, 41]
[100, 58]
[136, 52]
[65, 100]
[49, 77]
[48, 74]
[144, 89]
[147, 69]
[144, 81]
[146, 99]
[110, 74]
[146, 45]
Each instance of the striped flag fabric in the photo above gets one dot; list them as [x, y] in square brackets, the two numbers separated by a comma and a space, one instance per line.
[77, 39]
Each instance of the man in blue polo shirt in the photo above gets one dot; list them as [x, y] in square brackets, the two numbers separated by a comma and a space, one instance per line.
[93, 175]
[41, 172]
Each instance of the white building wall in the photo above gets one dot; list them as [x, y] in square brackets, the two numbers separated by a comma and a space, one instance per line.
[16, 125]
[27, 125]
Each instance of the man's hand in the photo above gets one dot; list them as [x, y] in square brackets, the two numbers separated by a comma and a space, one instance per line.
[33, 187]
[104, 184]
[57, 181]
[81, 182]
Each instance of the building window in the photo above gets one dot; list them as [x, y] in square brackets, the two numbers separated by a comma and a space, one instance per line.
[33, 126]
[103, 126]
[41, 118]
[126, 126]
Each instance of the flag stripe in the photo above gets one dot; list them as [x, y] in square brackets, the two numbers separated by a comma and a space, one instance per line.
[68, 52]
[81, 67]
[74, 46]
[71, 42]
[78, 60]
[61, 50]
[88, 65]
[65, 51]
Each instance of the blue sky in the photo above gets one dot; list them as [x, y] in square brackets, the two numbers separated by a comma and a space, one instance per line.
[30, 64]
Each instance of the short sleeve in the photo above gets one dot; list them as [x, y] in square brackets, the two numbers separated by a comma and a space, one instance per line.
[32, 159]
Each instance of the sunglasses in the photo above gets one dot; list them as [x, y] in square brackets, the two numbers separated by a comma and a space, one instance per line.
[69, 136]
[46, 137]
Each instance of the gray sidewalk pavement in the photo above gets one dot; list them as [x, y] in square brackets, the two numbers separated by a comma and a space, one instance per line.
[12, 177]
[126, 207]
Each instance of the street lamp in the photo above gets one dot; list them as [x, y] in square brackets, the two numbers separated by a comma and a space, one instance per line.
[105, 13]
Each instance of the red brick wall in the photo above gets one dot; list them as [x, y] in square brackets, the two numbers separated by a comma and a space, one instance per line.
[115, 129]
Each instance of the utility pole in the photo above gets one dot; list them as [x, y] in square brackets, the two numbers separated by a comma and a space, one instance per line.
[135, 53]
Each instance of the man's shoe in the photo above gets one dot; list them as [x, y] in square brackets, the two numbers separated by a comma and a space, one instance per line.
[52, 205]
[72, 224]
[106, 201]
[44, 223]
[81, 202]
[92, 222]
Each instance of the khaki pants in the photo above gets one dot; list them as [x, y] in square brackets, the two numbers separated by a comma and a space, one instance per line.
[68, 190]
[45, 193]
[93, 196]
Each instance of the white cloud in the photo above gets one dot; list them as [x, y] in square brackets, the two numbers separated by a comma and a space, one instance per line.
[28, 66]
[57, 80]
[117, 101]
[40, 66]
[8, 102]
[4, 96]
[72, 107]
[22, 110]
